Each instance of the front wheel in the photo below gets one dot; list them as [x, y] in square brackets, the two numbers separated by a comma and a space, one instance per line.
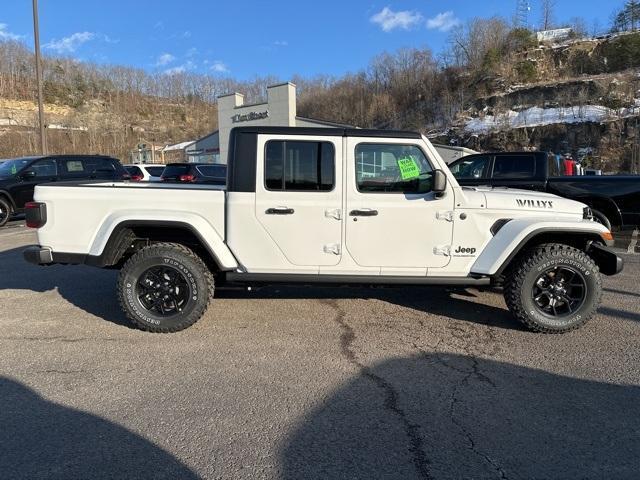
[165, 288]
[553, 288]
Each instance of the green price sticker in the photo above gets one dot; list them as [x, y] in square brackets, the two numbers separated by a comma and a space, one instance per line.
[409, 168]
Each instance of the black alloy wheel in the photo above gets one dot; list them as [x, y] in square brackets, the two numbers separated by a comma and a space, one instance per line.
[163, 291]
[559, 291]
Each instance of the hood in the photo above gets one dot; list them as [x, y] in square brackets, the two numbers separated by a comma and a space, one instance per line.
[527, 200]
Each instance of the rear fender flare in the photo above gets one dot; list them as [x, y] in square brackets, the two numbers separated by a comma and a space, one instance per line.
[197, 225]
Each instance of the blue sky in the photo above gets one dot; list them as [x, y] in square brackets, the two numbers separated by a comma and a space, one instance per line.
[248, 38]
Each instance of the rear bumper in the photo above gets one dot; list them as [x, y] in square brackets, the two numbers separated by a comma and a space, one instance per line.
[607, 260]
[45, 256]
[38, 255]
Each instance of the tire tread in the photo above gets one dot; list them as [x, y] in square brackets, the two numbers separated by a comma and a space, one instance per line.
[516, 277]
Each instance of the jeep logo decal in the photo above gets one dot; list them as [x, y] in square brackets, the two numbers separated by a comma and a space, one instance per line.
[465, 250]
[534, 203]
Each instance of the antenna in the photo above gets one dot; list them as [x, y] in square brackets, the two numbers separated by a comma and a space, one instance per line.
[523, 7]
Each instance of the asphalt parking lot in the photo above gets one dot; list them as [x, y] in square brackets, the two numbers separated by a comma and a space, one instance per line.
[297, 383]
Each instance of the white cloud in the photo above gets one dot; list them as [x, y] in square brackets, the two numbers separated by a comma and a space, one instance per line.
[281, 43]
[6, 35]
[71, 43]
[192, 52]
[443, 21]
[175, 70]
[188, 65]
[219, 67]
[389, 20]
[164, 59]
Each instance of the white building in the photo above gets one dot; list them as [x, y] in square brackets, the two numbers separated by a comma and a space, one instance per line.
[279, 110]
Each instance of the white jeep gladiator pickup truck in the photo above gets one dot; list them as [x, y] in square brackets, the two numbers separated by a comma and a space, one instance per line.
[326, 206]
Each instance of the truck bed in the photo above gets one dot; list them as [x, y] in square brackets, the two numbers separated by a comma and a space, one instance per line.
[92, 209]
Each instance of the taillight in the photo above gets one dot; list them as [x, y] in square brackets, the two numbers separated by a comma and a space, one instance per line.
[36, 214]
[187, 178]
[136, 178]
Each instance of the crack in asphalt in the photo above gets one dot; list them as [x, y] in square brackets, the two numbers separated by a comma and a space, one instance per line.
[391, 403]
[452, 406]
[474, 372]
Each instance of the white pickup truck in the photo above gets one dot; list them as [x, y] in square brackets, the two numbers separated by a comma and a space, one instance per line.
[326, 206]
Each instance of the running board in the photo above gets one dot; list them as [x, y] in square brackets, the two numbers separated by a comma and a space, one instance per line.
[292, 278]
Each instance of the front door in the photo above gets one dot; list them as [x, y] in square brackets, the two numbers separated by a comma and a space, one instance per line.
[299, 200]
[45, 170]
[393, 219]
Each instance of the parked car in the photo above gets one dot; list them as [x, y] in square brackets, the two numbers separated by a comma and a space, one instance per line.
[144, 173]
[214, 174]
[19, 176]
[327, 206]
[614, 199]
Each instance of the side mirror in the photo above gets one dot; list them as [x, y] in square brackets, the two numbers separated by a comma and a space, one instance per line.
[439, 182]
[28, 174]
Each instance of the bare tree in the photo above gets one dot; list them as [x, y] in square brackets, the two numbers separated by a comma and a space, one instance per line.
[547, 14]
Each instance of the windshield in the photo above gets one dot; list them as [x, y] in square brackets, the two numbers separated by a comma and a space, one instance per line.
[11, 167]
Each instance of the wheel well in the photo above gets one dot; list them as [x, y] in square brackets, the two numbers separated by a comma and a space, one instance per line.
[607, 207]
[5, 196]
[128, 238]
[579, 240]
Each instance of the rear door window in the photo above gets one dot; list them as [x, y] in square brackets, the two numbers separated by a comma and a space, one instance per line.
[73, 168]
[299, 166]
[514, 166]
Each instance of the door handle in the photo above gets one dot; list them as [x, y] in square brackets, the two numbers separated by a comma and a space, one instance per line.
[279, 211]
[363, 213]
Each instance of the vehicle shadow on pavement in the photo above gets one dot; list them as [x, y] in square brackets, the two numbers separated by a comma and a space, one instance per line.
[431, 300]
[90, 289]
[41, 439]
[451, 416]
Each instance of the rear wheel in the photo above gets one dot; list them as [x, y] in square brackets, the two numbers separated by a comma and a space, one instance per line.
[5, 212]
[553, 288]
[165, 288]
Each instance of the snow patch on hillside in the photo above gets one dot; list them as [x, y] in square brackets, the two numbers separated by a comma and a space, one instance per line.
[536, 116]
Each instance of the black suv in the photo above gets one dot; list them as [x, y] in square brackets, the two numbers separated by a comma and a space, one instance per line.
[19, 176]
[213, 174]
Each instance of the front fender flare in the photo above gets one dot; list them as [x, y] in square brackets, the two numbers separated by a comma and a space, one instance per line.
[511, 238]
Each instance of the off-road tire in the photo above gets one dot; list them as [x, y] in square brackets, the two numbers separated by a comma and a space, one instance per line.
[525, 272]
[182, 259]
[5, 211]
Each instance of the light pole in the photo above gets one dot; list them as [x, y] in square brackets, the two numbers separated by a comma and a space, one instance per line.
[36, 37]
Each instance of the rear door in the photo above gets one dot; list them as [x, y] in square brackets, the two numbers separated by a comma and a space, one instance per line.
[393, 223]
[299, 200]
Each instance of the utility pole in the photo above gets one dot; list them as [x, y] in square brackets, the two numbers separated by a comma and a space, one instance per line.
[36, 37]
